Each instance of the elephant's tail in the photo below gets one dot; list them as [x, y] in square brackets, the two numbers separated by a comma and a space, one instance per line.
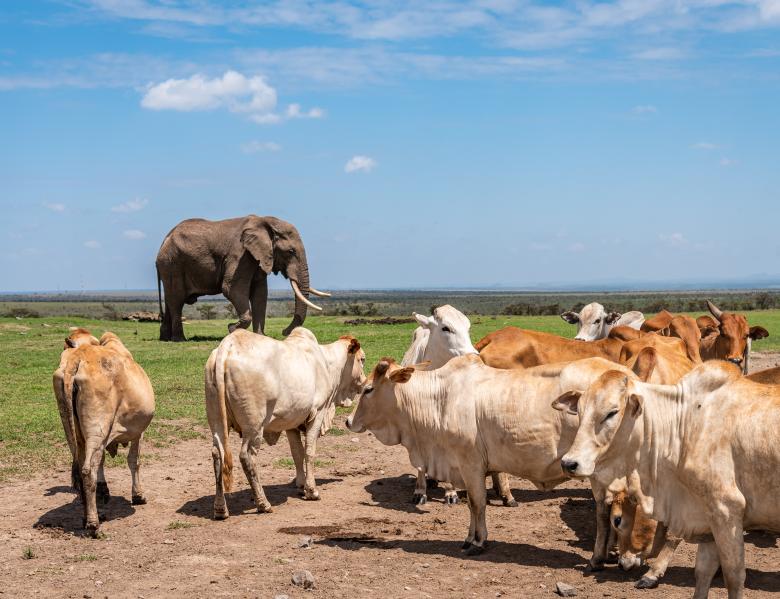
[159, 292]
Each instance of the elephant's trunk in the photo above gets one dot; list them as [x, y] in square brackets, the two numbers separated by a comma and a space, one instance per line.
[299, 315]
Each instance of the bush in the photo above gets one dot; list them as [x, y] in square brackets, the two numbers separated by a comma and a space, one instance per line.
[22, 313]
[110, 312]
[207, 311]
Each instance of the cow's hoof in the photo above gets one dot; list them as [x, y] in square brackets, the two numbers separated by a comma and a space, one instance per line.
[431, 483]
[138, 500]
[311, 495]
[265, 509]
[102, 494]
[595, 567]
[221, 515]
[93, 529]
[466, 545]
[419, 499]
[646, 583]
[509, 501]
[474, 550]
[451, 498]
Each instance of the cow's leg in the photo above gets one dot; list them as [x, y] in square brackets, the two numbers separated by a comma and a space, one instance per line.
[420, 496]
[297, 451]
[706, 565]
[102, 493]
[138, 497]
[477, 497]
[89, 471]
[220, 506]
[661, 562]
[600, 547]
[312, 433]
[248, 452]
[731, 554]
[501, 488]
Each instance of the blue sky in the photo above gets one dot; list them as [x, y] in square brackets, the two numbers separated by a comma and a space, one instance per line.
[509, 142]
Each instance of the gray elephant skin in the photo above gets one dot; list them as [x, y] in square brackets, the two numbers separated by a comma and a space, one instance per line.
[233, 257]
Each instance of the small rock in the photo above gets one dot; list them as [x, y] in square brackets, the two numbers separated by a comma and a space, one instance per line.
[565, 590]
[304, 543]
[426, 565]
[355, 440]
[407, 588]
[169, 542]
[98, 583]
[281, 597]
[305, 579]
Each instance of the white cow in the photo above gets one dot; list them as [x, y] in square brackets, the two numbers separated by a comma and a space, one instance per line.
[439, 337]
[593, 322]
[262, 387]
[700, 456]
[466, 420]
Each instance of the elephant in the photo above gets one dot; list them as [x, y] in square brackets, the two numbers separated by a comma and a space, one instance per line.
[233, 257]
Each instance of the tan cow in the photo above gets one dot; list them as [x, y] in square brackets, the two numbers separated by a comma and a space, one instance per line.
[512, 347]
[466, 420]
[700, 456]
[104, 399]
[262, 387]
[594, 322]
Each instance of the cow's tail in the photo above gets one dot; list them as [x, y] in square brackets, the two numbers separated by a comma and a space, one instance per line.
[221, 436]
[159, 292]
[67, 392]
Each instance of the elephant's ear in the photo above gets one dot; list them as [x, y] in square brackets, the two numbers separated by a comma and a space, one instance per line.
[257, 239]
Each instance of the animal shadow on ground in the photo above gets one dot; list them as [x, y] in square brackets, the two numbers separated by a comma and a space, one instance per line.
[240, 501]
[205, 338]
[395, 493]
[498, 552]
[69, 517]
[58, 489]
[580, 516]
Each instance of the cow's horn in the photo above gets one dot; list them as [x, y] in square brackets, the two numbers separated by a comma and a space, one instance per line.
[716, 312]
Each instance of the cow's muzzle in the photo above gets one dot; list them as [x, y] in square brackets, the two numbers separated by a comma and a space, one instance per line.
[570, 466]
[737, 361]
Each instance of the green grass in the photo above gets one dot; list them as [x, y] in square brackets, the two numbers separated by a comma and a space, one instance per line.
[31, 438]
[28, 553]
[179, 524]
[86, 557]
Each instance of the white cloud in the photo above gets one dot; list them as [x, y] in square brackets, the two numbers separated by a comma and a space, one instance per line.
[55, 207]
[644, 109]
[726, 162]
[92, 244]
[577, 247]
[233, 91]
[705, 145]
[360, 163]
[675, 240]
[537, 246]
[252, 147]
[294, 112]
[131, 205]
[133, 234]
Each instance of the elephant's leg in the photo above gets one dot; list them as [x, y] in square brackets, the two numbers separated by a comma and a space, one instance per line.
[166, 330]
[259, 300]
[174, 308]
[238, 295]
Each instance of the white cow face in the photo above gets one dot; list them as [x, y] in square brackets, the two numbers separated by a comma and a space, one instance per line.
[593, 322]
[448, 335]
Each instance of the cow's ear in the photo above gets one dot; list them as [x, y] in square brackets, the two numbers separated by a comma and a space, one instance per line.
[571, 317]
[634, 404]
[381, 368]
[424, 321]
[758, 333]
[567, 402]
[402, 375]
[708, 330]
[613, 317]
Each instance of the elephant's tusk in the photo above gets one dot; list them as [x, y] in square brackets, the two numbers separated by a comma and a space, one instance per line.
[318, 293]
[300, 296]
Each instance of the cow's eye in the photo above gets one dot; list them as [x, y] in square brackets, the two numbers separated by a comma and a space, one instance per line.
[610, 415]
[367, 390]
[598, 321]
[446, 329]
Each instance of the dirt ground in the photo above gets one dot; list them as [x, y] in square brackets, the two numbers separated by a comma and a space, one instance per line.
[367, 538]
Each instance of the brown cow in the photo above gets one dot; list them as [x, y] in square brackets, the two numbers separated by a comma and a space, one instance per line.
[104, 399]
[770, 376]
[732, 338]
[511, 347]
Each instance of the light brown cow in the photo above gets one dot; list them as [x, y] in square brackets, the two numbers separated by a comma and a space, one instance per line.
[262, 388]
[769, 376]
[104, 399]
[465, 420]
[700, 456]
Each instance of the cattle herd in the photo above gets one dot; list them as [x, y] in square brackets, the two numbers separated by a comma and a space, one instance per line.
[659, 415]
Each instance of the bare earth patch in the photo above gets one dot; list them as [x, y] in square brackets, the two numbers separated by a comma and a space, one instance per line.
[367, 538]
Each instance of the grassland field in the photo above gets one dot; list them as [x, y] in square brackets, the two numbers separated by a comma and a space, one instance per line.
[31, 437]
